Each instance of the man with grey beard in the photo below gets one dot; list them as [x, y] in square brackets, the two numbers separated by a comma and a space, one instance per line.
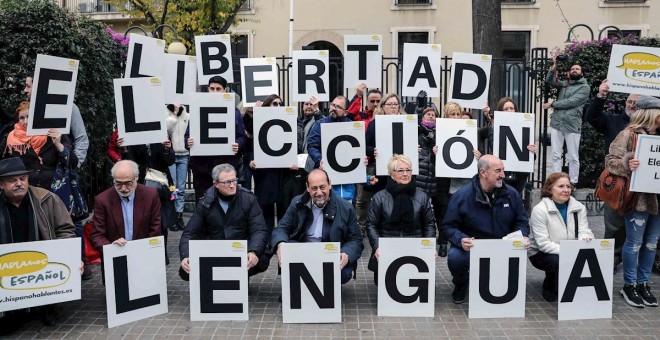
[610, 124]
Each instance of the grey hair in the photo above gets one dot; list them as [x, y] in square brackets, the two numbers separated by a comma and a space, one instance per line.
[393, 162]
[133, 165]
[483, 163]
[224, 167]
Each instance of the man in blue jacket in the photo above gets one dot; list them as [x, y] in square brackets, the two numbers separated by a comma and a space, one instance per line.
[337, 114]
[321, 216]
[487, 208]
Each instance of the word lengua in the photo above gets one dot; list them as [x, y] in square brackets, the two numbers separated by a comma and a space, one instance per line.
[39, 273]
[421, 69]
[145, 57]
[406, 277]
[456, 139]
[470, 78]
[646, 178]
[258, 79]
[343, 149]
[218, 280]
[363, 55]
[310, 76]
[275, 137]
[311, 283]
[634, 69]
[135, 280]
[139, 103]
[390, 132]
[513, 132]
[212, 124]
[213, 54]
[54, 85]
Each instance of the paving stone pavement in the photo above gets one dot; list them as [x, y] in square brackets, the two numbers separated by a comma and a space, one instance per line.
[86, 318]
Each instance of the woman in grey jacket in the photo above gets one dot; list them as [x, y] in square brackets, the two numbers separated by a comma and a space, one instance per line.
[401, 210]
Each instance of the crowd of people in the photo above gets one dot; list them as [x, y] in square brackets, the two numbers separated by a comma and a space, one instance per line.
[238, 199]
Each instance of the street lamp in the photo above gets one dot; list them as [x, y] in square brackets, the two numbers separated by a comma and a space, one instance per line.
[176, 47]
[618, 31]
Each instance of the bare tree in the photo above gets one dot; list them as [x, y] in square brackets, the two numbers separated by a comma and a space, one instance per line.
[487, 39]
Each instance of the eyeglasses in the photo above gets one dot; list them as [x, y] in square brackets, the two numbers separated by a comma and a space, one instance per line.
[127, 184]
[391, 104]
[228, 182]
[374, 101]
[277, 104]
[336, 107]
[403, 171]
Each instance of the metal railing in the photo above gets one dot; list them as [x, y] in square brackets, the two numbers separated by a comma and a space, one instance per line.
[414, 2]
[91, 6]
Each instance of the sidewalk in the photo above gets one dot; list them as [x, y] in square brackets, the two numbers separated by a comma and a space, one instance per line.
[86, 319]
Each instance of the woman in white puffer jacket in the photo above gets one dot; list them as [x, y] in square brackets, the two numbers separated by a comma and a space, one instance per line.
[557, 217]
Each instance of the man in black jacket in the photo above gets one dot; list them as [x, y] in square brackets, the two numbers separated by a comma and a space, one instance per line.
[227, 212]
[610, 125]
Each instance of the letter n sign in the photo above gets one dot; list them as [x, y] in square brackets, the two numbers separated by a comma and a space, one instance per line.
[498, 271]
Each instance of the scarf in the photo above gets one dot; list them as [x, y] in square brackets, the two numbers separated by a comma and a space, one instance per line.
[430, 125]
[18, 141]
[403, 213]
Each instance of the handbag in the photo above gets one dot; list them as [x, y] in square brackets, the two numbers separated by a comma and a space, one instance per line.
[66, 185]
[614, 190]
[156, 176]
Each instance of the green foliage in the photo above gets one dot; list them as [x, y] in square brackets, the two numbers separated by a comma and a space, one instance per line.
[594, 57]
[42, 27]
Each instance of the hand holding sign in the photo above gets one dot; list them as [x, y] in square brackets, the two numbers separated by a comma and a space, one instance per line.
[56, 136]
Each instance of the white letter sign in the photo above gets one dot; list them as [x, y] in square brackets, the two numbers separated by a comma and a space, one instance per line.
[647, 176]
[54, 85]
[39, 273]
[513, 131]
[145, 56]
[406, 277]
[135, 280]
[585, 279]
[218, 280]
[309, 76]
[634, 69]
[140, 109]
[212, 124]
[470, 76]
[275, 137]
[258, 79]
[311, 283]
[214, 57]
[498, 271]
[396, 134]
[180, 78]
[421, 69]
[363, 56]
[343, 149]
[455, 138]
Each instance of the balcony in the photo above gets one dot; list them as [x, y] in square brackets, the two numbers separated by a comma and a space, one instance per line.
[96, 9]
[414, 2]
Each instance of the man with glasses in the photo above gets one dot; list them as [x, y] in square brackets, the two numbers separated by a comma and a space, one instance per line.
[125, 212]
[227, 212]
[319, 215]
[337, 114]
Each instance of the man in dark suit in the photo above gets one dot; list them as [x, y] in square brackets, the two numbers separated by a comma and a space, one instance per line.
[127, 211]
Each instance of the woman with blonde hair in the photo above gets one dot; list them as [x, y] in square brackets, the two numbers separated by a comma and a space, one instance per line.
[643, 222]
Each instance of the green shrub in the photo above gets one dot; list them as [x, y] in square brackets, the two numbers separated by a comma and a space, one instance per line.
[594, 57]
[42, 27]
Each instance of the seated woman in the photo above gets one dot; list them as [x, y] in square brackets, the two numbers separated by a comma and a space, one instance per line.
[557, 217]
[401, 210]
[40, 154]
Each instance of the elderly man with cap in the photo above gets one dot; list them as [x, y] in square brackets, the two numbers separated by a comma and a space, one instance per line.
[29, 214]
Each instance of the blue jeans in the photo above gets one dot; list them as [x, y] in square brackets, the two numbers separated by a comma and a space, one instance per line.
[179, 173]
[642, 231]
[458, 261]
[80, 233]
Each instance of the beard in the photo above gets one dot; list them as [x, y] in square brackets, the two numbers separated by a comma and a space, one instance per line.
[575, 76]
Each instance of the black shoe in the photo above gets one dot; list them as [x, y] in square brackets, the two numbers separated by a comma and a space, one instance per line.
[656, 266]
[549, 295]
[443, 250]
[629, 293]
[279, 299]
[87, 273]
[179, 222]
[12, 321]
[458, 295]
[617, 261]
[645, 293]
[48, 315]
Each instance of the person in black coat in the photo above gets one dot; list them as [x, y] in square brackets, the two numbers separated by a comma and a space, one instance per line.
[610, 125]
[401, 210]
[227, 212]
